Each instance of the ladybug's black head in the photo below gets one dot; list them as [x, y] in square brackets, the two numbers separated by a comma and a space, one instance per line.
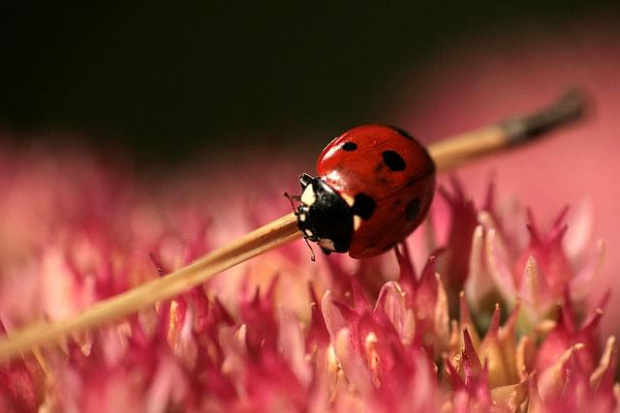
[323, 216]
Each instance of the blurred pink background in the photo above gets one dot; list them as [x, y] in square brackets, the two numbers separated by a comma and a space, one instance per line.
[484, 80]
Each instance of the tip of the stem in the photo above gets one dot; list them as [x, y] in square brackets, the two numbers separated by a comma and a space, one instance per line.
[568, 108]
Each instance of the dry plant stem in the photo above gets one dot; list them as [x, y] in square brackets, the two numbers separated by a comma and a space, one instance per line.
[263, 239]
[447, 155]
[450, 153]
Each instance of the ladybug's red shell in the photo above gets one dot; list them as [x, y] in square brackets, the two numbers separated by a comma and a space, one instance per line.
[393, 170]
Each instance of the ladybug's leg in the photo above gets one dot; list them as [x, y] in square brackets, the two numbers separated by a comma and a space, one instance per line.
[312, 255]
[305, 180]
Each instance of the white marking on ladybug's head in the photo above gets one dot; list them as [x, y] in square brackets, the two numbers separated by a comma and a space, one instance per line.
[308, 197]
[328, 244]
[348, 199]
[308, 232]
[302, 217]
[357, 222]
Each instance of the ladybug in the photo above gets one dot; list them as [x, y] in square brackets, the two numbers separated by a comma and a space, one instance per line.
[375, 185]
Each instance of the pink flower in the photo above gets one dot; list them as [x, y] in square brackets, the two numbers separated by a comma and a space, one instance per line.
[483, 309]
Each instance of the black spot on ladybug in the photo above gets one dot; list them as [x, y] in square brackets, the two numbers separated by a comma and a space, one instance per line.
[413, 209]
[349, 146]
[402, 133]
[394, 161]
[363, 206]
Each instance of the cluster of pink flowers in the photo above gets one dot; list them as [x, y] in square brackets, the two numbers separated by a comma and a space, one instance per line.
[493, 315]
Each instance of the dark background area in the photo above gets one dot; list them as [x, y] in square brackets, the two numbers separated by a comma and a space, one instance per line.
[162, 79]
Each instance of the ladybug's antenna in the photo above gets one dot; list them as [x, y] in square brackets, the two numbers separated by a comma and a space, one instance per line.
[446, 154]
[292, 199]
